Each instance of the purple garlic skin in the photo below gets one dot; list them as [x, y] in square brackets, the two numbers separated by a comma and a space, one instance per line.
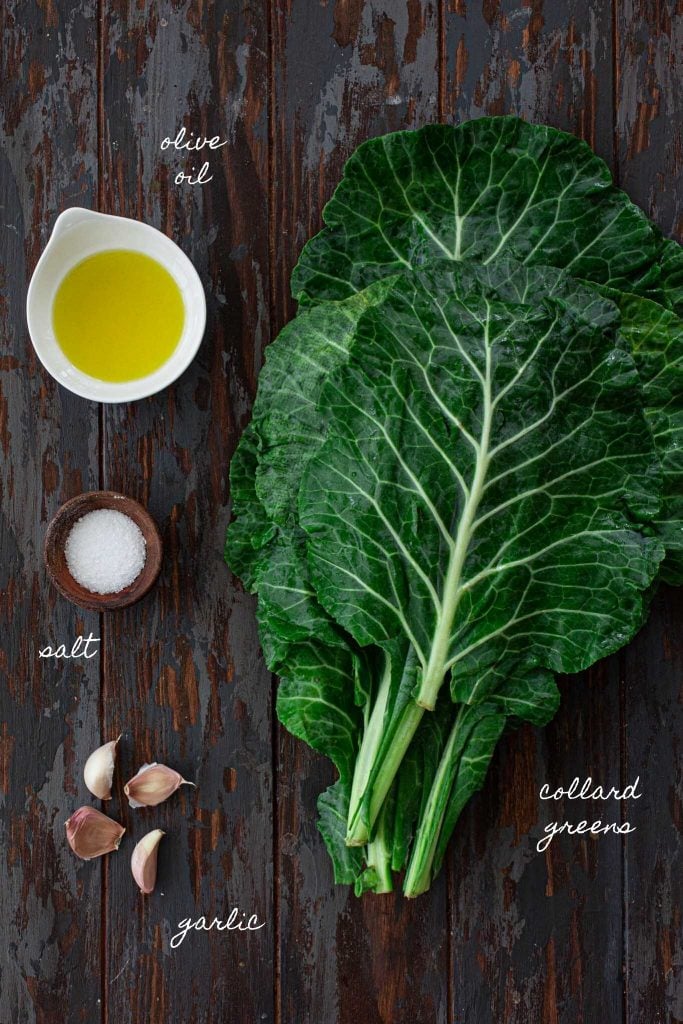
[143, 862]
[153, 784]
[91, 833]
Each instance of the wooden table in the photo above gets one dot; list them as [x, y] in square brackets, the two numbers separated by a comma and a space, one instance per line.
[589, 932]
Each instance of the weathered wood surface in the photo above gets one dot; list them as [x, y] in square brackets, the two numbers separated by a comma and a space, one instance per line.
[49, 901]
[590, 931]
[183, 678]
[340, 960]
[539, 937]
[649, 118]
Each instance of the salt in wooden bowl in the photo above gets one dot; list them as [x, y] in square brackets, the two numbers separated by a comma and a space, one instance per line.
[55, 541]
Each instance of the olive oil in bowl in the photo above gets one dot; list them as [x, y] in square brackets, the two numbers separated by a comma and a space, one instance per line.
[118, 315]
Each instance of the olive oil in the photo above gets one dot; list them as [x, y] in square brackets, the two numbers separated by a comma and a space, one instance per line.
[118, 315]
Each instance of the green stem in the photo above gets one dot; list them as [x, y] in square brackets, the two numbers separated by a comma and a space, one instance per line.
[382, 772]
[372, 737]
[419, 874]
[379, 853]
[460, 773]
[438, 663]
[410, 718]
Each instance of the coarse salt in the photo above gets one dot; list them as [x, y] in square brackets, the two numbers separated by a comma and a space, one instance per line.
[105, 551]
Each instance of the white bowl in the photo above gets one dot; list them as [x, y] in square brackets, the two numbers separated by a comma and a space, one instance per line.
[78, 234]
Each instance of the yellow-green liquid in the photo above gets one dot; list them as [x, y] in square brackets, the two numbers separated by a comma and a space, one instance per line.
[118, 315]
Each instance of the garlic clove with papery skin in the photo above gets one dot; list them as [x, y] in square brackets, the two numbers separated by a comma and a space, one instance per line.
[91, 833]
[143, 863]
[153, 784]
[99, 770]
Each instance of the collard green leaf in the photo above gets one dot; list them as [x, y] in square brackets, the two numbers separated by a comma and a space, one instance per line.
[287, 417]
[492, 187]
[250, 530]
[656, 338]
[533, 697]
[347, 861]
[316, 703]
[265, 544]
[460, 773]
[668, 290]
[484, 188]
[288, 605]
[483, 484]
[322, 672]
[522, 415]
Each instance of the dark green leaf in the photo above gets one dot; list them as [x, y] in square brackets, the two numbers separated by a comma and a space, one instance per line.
[484, 188]
[656, 338]
[481, 490]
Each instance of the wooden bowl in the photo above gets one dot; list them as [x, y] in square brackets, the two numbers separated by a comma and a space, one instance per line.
[55, 539]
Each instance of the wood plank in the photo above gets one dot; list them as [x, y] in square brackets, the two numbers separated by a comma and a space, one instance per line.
[649, 115]
[184, 680]
[650, 154]
[550, 63]
[49, 900]
[538, 937]
[653, 669]
[344, 72]
[370, 67]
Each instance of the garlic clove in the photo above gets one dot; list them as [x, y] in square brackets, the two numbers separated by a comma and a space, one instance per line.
[91, 833]
[153, 784]
[99, 770]
[143, 863]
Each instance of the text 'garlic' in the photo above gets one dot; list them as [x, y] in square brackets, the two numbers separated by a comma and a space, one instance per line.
[99, 770]
[91, 833]
[143, 863]
[153, 784]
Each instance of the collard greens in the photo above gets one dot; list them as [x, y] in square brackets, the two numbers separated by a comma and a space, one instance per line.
[463, 470]
[483, 189]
